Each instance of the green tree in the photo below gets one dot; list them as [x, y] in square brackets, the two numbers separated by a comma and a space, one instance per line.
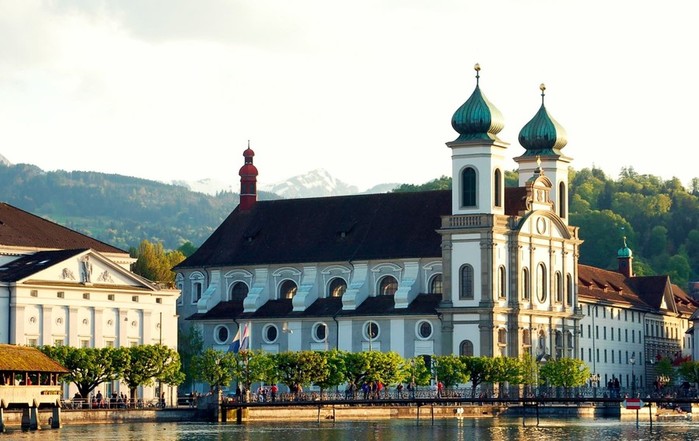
[187, 249]
[450, 370]
[300, 369]
[478, 369]
[505, 370]
[89, 367]
[216, 368]
[689, 371]
[564, 372]
[147, 363]
[335, 367]
[154, 263]
[189, 345]
[253, 366]
[665, 369]
[415, 370]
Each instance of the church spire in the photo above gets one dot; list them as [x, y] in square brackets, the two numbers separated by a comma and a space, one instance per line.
[248, 180]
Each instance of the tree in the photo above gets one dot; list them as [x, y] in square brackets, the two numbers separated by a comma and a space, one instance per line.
[689, 371]
[189, 345]
[253, 366]
[89, 367]
[478, 369]
[335, 366]
[214, 367]
[414, 369]
[154, 263]
[505, 370]
[147, 363]
[450, 370]
[300, 369]
[564, 372]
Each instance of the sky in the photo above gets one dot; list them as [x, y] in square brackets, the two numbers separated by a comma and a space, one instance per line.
[365, 89]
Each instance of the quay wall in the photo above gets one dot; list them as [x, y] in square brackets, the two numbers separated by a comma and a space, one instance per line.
[13, 418]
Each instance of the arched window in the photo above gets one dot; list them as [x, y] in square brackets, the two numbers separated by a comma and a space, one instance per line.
[238, 291]
[541, 283]
[388, 285]
[497, 185]
[468, 190]
[337, 287]
[436, 284]
[466, 288]
[502, 283]
[525, 284]
[287, 290]
[569, 290]
[562, 200]
[559, 287]
[466, 348]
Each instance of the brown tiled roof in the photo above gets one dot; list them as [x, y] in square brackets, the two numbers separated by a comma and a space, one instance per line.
[27, 359]
[646, 292]
[19, 228]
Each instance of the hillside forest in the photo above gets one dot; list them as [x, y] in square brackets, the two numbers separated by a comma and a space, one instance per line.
[659, 218]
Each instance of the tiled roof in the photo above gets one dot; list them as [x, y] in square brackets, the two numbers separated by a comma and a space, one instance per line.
[647, 292]
[27, 359]
[25, 266]
[19, 228]
[328, 229]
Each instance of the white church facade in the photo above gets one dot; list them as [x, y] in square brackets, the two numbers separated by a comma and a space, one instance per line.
[480, 269]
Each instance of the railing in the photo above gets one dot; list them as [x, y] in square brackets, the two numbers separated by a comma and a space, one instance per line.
[94, 404]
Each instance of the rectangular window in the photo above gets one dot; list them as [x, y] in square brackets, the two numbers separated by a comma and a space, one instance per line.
[597, 355]
[618, 334]
[60, 294]
[134, 298]
[589, 330]
[626, 316]
[597, 332]
[86, 295]
[109, 343]
[605, 355]
[604, 332]
[612, 357]
[34, 293]
[84, 343]
[110, 297]
[58, 342]
[612, 332]
[626, 335]
[158, 300]
[589, 355]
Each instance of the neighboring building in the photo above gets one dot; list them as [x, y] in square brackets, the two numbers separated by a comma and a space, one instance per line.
[60, 287]
[478, 270]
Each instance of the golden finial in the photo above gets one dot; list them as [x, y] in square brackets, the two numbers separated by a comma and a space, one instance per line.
[542, 87]
[477, 68]
[538, 161]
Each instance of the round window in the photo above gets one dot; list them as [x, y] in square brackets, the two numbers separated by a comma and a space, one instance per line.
[371, 330]
[221, 334]
[270, 333]
[320, 332]
[424, 330]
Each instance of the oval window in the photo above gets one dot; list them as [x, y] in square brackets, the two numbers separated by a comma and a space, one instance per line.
[320, 332]
[221, 334]
[424, 330]
[270, 333]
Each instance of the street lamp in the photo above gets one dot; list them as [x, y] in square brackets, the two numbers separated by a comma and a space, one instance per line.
[633, 375]
[594, 378]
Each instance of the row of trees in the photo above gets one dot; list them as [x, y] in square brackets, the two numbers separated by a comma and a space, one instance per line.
[136, 366]
[330, 369]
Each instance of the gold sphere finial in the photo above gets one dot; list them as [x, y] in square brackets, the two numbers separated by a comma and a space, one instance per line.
[542, 87]
[477, 67]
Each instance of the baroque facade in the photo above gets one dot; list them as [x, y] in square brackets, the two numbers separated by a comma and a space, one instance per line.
[481, 269]
[60, 287]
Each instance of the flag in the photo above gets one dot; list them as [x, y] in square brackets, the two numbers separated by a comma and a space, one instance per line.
[245, 341]
[235, 344]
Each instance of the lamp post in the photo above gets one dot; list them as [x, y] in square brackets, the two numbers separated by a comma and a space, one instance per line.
[594, 378]
[543, 362]
[633, 375]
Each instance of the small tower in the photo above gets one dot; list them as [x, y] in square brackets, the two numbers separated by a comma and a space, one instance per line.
[248, 181]
[478, 156]
[625, 258]
[543, 138]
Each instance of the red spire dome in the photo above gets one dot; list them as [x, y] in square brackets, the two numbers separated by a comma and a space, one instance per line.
[248, 180]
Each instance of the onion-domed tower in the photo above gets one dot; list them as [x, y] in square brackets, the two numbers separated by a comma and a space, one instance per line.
[248, 181]
[543, 138]
[478, 156]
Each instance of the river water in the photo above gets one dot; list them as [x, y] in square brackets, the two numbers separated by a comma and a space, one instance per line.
[478, 429]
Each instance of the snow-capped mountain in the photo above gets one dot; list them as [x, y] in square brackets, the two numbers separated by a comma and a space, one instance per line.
[316, 183]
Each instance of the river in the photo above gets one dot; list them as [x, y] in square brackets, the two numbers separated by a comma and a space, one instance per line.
[478, 429]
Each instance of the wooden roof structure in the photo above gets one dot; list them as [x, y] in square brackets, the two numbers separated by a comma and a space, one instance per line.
[14, 358]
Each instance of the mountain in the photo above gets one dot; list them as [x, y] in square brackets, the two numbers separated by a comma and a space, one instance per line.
[122, 211]
[316, 183]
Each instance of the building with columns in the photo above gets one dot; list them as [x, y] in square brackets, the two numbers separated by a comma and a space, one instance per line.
[59, 287]
[481, 269]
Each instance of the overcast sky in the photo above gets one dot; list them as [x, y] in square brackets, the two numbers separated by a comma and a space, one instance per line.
[174, 89]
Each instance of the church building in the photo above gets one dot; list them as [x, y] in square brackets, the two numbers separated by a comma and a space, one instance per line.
[481, 269]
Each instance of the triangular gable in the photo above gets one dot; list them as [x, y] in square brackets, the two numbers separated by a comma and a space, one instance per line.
[78, 267]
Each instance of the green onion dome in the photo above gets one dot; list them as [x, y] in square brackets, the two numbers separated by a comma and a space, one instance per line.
[477, 118]
[542, 135]
[625, 251]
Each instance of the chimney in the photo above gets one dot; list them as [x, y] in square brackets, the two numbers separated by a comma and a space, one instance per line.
[248, 181]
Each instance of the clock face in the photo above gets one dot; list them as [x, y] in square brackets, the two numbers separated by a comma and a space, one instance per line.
[541, 225]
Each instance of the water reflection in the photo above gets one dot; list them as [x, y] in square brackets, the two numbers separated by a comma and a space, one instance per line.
[476, 429]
